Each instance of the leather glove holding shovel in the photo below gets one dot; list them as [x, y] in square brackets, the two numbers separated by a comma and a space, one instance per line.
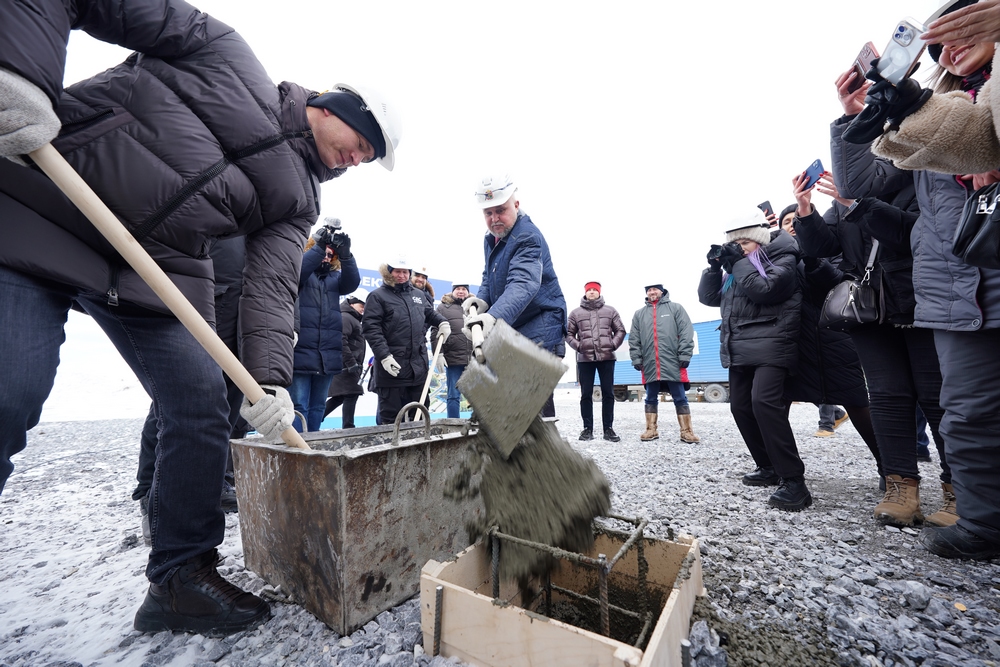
[270, 413]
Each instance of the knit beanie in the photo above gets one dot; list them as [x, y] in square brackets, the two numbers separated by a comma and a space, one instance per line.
[592, 285]
[351, 109]
[752, 226]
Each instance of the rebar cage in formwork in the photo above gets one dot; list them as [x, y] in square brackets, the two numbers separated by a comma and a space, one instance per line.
[633, 539]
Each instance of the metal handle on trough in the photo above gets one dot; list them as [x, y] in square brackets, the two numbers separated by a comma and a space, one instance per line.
[302, 420]
[399, 418]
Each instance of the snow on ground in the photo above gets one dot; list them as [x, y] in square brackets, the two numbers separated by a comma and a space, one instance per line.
[72, 561]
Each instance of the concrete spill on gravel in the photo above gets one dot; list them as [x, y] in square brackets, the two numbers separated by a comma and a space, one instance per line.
[545, 492]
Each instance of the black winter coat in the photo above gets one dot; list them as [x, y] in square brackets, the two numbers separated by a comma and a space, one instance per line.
[829, 370]
[395, 322]
[346, 382]
[760, 314]
[186, 141]
[887, 211]
[318, 350]
[949, 294]
[458, 348]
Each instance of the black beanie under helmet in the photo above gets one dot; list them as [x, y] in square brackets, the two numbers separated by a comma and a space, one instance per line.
[351, 109]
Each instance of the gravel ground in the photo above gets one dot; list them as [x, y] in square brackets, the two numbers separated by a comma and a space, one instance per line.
[827, 586]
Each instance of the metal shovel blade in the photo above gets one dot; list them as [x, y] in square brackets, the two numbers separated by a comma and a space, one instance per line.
[510, 389]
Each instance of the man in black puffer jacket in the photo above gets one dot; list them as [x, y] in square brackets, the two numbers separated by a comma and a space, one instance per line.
[186, 141]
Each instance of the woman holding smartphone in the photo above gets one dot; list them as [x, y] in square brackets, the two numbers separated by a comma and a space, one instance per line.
[753, 279]
[961, 303]
[957, 305]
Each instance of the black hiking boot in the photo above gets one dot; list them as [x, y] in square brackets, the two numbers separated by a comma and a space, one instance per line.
[610, 435]
[587, 434]
[761, 477]
[229, 498]
[198, 599]
[957, 542]
[791, 496]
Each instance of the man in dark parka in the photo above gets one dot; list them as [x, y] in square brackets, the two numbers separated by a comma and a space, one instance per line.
[397, 317]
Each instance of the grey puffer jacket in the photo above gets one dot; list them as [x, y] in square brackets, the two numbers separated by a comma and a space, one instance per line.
[760, 314]
[458, 348]
[949, 294]
[661, 338]
[186, 141]
[595, 330]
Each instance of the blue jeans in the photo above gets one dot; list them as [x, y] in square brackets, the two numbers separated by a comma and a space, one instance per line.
[184, 383]
[309, 392]
[677, 393]
[454, 396]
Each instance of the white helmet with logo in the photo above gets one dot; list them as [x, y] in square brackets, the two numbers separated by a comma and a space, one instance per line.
[386, 115]
[400, 263]
[495, 190]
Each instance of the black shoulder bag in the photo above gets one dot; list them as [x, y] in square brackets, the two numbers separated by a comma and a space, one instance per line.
[852, 302]
[977, 237]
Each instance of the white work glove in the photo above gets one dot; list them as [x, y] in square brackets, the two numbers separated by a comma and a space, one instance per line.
[486, 320]
[27, 121]
[271, 415]
[444, 330]
[390, 366]
[481, 306]
[441, 365]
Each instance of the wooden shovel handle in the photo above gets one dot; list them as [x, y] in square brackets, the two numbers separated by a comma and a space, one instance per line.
[477, 335]
[74, 187]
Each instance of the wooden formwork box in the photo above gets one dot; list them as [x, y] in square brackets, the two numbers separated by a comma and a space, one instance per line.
[485, 634]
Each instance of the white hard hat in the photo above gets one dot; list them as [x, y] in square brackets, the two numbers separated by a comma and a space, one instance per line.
[495, 190]
[386, 115]
[400, 263]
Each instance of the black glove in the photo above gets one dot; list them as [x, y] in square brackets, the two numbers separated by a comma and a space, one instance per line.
[324, 236]
[715, 257]
[637, 367]
[885, 103]
[731, 253]
[341, 243]
[684, 364]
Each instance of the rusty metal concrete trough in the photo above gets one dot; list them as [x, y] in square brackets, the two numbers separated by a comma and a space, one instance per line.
[346, 527]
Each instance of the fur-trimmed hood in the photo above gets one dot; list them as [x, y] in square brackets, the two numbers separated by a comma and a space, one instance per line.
[429, 288]
[449, 298]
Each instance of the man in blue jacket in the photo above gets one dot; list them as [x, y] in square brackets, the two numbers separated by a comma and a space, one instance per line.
[519, 285]
[187, 141]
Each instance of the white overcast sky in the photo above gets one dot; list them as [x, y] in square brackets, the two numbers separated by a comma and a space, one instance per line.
[635, 130]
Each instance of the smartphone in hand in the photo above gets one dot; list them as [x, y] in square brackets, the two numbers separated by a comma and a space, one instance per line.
[862, 64]
[766, 207]
[903, 52]
[813, 173]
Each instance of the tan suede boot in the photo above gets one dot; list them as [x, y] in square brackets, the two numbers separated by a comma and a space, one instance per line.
[901, 504]
[687, 434]
[948, 514]
[651, 416]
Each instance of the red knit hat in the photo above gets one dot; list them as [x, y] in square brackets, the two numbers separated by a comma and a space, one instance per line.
[592, 285]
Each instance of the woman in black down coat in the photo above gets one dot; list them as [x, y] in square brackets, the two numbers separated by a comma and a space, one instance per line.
[754, 279]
